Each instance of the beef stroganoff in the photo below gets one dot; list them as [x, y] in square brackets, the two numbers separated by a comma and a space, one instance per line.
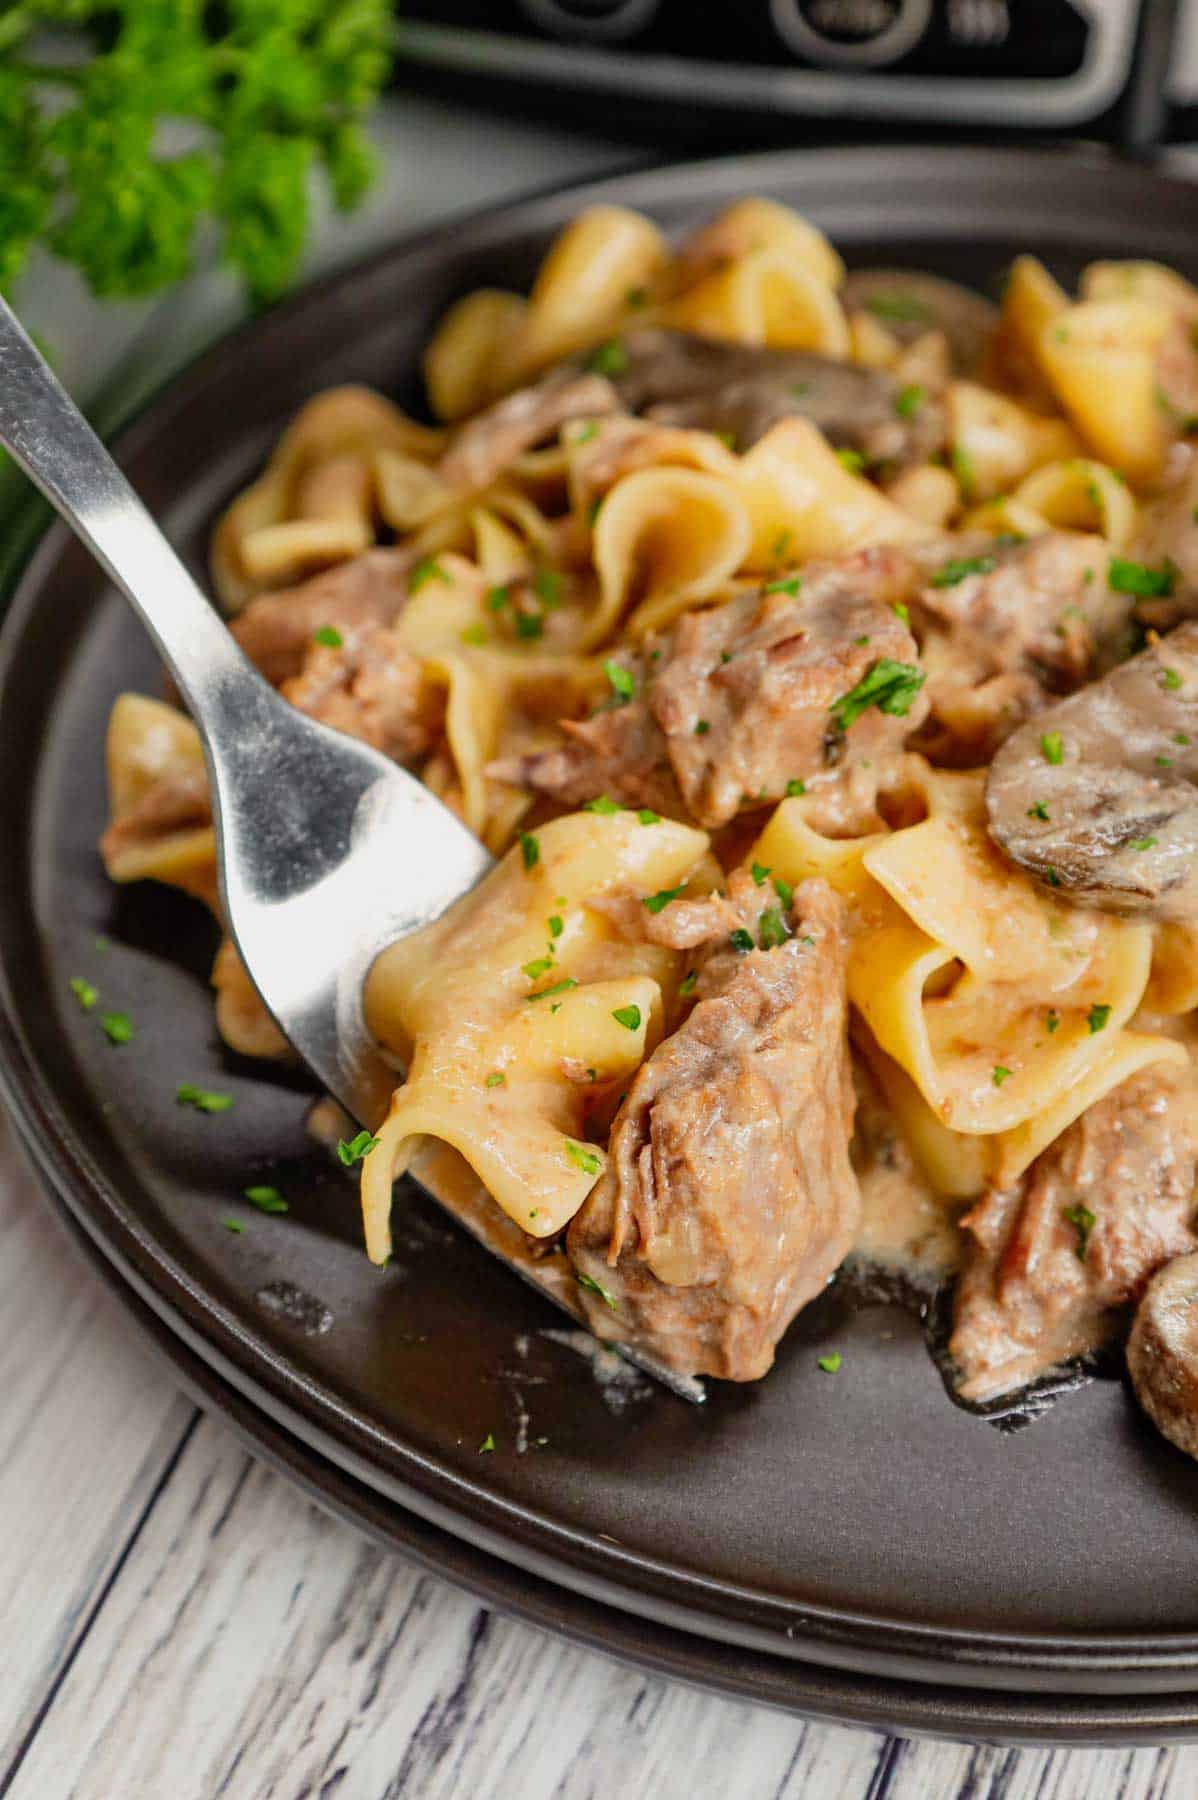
[814, 653]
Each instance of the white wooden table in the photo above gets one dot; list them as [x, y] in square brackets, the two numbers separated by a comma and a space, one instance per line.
[175, 1622]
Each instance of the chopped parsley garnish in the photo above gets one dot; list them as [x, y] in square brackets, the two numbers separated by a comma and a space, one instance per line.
[852, 460]
[84, 992]
[771, 928]
[795, 789]
[647, 816]
[1182, 738]
[555, 924]
[1037, 810]
[702, 727]
[559, 987]
[1084, 1220]
[266, 1199]
[960, 567]
[118, 1027]
[740, 940]
[637, 296]
[541, 966]
[783, 890]
[1097, 1018]
[831, 1363]
[530, 850]
[760, 874]
[1170, 679]
[358, 1147]
[688, 984]
[909, 400]
[784, 539]
[1052, 747]
[329, 636]
[233, 1225]
[497, 598]
[496, 1079]
[622, 682]
[1148, 843]
[487, 1445]
[426, 570]
[547, 586]
[583, 1159]
[608, 359]
[593, 511]
[902, 611]
[786, 584]
[658, 902]
[962, 466]
[529, 626]
[1163, 762]
[474, 634]
[1052, 878]
[998, 1074]
[888, 685]
[1140, 579]
[628, 1016]
[586, 432]
[203, 1099]
[863, 639]
[596, 1287]
[902, 309]
[603, 804]
[1052, 1020]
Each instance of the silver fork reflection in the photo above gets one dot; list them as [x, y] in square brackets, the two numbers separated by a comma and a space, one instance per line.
[327, 851]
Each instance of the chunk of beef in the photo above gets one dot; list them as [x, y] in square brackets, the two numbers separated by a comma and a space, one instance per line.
[910, 304]
[740, 701]
[743, 390]
[718, 928]
[371, 687]
[729, 1198]
[1054, 1260]
[487, 444]
[1162, 1352]
[276, 630]
[1098, 796]
[1005, 626]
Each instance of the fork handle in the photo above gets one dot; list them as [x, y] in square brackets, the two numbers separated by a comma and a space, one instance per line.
[52, 441]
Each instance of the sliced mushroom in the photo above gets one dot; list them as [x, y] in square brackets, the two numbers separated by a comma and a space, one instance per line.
[1097, 797]
[909, 304]
[1162, 1352]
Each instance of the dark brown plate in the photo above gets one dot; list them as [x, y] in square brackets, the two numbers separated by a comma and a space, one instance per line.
[859, 1520]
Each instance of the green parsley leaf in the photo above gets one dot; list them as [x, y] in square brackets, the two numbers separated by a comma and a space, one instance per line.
[702, 727]
[595, 1287]
[771, 929]
[1097, 1018]
[556, 925]
[529, 626]
[559, 987]
[888, 685]
[426, 570]
[647, 816]
[782, 543]
[658, 902]
[899, 308]
[998, 1074]
[1052, 878]
[1084, 1220]
[233, 1225]
[962, 467]
[266, 1199]
[608, 359]
[1146, 843]
[586, 432]
[497, 598]
[1052, 747]
[1180, 737]
[496, 1079]
[547, 586]
[582, 1158]
[329, 636]
[1140, 579]
[688, 984]
[530, 849]
[1038, 810]
[831, 1363]
[84, 992]
[203, 1099]
[760, 874]
[901, 611]
[1052, 1020]
[358, 1147]
[637, 296]
[740, 940]
[622, 682]
[628, 1016]
[117, 1026]
[1170, 679]
[795, 789]
[474, 634]
[541, 966]
[487, 1445]
[787, 584]
[852, 460]
[783, 890]
[603, 805]
[960, 568]
[909, 400]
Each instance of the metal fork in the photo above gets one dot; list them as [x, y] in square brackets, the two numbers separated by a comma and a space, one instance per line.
[327, 851]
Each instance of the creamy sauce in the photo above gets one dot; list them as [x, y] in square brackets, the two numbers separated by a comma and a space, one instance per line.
[906, 1228]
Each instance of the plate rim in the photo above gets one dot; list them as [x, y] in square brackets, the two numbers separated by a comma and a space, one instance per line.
[882, 1646]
